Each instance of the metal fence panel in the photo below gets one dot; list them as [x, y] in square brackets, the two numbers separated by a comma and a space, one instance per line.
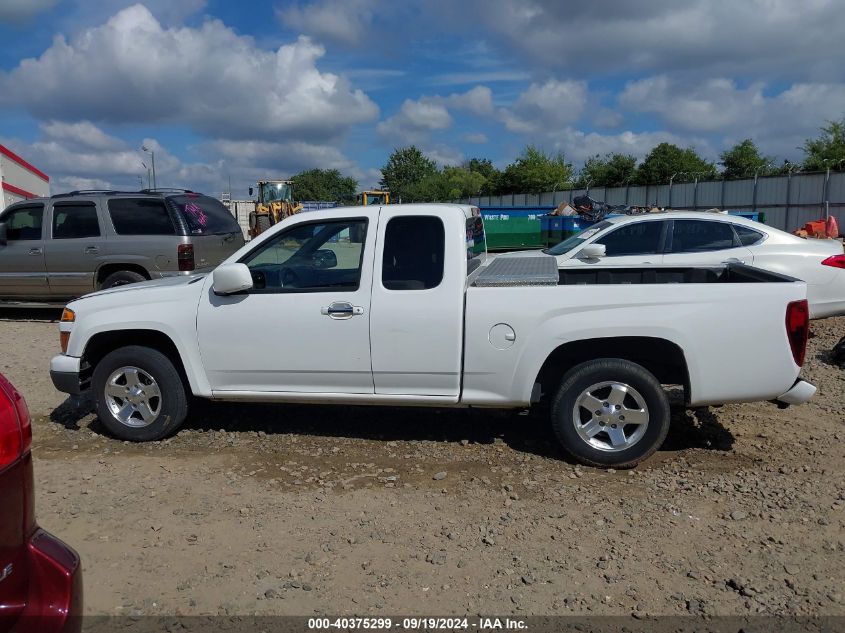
[709, 194]
[807, 189]
[771, 190]
[738, 193]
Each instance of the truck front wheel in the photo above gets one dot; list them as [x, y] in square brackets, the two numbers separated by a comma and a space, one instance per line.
[139, 394]
[610, 413]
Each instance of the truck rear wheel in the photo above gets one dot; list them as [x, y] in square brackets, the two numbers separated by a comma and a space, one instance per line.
[139, 394]
[610, 413]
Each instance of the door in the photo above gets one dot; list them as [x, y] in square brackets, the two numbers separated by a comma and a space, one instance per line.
[304, 326]
[416, 326]
[633, 243]
[75, 249]
[23, 274]
[704, 243]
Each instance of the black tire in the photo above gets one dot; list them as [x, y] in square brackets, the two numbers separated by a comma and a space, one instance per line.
[168, 412]
[262, 223]
[121, 278]
[644, 394]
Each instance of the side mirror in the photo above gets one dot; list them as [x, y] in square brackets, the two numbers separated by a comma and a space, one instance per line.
[3, 234]
[592, 251]
[229, 279]
[324, 258]
[250, 191]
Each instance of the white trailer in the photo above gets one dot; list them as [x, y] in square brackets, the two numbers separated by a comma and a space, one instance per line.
[20, 180]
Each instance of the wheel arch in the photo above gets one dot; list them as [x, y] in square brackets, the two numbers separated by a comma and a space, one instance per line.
[110, 268]
[103, 343]
[661, 357]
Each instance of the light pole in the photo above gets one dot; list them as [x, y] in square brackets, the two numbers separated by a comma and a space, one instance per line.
[153, 156]
[671, 180]
[149, 184]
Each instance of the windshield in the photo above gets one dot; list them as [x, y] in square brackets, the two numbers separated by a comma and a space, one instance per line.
[274, 192]
[577, 240]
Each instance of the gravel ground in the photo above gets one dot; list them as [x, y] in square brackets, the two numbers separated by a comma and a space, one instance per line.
[310, 510]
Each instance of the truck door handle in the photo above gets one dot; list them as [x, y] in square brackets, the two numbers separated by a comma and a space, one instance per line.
[34, 251]
[734, 260]
[91, 250]
[341, 310]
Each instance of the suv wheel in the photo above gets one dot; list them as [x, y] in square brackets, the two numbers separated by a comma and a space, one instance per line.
[121, 278]
[610, 413]
[139, 394]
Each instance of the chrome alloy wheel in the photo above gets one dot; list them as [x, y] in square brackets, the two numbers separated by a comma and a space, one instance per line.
[610, 416]
[133, 397]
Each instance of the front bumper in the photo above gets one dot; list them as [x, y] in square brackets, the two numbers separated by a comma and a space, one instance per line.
[800, 393]
[66, 374]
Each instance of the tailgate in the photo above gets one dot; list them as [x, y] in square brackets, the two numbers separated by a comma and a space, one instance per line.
[212, 229]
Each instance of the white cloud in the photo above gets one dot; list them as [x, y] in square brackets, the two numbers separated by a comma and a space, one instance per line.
[773, 38]
[478, 100]
[578, 145]
[18, 11]
[346, 21]
[171, 12]
[444, 155]
[82, 134]
[546, 106]
[81, 156]
[779, 122]
[209, 78]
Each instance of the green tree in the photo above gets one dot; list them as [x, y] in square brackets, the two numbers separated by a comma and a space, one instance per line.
[535, 172]
[827, 150]
[614, 170]
[433, 187]
[405, 168]
[743, 160]
[668, 160]
[492, 176]
[463, 182]
[323, 184]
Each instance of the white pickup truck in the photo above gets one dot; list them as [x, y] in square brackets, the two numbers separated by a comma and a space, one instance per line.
[401, 305]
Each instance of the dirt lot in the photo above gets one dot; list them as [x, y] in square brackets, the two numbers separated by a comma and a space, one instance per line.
[304, 510]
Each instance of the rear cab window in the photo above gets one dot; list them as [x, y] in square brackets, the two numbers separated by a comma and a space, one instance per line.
[476, 241]
[414, 247]
[203, 215]
[140, 216]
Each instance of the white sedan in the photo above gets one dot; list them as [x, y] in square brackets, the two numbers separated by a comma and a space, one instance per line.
[686, 238]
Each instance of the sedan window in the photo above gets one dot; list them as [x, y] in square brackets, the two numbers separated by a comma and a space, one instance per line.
[634, 238]
[696, 236]
[747, 236]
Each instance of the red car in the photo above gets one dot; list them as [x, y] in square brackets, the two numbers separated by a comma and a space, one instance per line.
[40, 577]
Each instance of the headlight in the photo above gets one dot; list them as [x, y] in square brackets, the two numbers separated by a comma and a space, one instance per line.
[68, 316]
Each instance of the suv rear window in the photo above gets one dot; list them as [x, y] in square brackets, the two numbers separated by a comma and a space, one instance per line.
[140, 216]
[204, 215]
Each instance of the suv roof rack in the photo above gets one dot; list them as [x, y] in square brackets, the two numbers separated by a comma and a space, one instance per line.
[163, 189]
[85, 192]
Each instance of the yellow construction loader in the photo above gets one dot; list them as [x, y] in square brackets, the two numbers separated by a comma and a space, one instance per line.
[377, 196]
[274, 204]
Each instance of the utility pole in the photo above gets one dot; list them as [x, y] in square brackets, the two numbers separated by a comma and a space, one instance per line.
[153, 156]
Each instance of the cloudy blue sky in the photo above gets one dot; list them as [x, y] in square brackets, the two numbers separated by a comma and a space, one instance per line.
[224, 91]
